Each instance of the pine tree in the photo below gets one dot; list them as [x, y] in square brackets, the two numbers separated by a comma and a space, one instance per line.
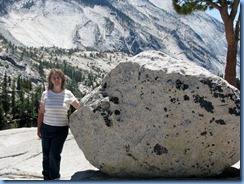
[13, 104]
[228, 11]
[37, 97]
[5, 94]
[18, 83]
[1, 117]
[22, 109]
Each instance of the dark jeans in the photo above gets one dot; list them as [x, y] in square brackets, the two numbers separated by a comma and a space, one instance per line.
[53, 138]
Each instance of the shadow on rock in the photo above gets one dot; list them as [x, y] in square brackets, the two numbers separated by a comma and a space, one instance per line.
[230, 173]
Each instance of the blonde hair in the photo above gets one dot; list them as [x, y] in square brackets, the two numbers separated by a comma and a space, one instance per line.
[60, 73]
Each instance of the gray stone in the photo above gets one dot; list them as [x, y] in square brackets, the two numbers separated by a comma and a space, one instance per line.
[155, 116]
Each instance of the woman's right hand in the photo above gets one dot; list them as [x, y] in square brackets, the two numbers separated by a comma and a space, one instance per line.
[39, 134]
[40, 119]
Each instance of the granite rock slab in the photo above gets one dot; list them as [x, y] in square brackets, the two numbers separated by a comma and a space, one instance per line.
[156, 116]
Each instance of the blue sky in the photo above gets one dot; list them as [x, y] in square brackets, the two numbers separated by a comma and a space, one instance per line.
[215, 13]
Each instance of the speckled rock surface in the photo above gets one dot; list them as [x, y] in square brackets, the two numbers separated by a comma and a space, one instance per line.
[155, 116]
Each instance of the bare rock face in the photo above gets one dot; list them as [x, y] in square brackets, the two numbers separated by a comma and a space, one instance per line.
[155, 116]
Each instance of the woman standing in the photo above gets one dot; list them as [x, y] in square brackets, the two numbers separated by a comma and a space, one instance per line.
[53, 122]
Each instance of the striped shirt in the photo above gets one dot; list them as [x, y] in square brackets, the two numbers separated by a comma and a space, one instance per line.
[56, 107]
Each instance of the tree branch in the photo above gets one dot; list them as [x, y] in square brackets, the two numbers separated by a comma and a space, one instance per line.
[224, 11]
[237, 26]
[234, 8]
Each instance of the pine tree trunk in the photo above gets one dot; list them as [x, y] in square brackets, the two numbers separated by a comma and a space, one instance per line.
[230, 69]
[232, 41]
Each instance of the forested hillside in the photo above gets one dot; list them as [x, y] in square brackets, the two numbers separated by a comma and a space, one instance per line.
[24, 72]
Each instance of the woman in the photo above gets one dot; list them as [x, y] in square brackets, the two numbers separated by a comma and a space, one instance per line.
[53, 122]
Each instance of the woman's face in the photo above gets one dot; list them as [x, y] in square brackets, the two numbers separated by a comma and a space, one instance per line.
[56, 80]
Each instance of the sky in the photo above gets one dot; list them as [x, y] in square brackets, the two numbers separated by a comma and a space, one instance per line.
[215, 13]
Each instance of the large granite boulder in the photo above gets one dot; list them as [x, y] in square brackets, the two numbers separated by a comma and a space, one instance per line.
[155, 116]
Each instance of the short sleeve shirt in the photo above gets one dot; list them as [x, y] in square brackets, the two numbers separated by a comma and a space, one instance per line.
[56, 107]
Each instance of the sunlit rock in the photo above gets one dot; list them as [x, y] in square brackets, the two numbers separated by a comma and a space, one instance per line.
[155, 116]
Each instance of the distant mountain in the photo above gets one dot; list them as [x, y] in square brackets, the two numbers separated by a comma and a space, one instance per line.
[130, 26]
